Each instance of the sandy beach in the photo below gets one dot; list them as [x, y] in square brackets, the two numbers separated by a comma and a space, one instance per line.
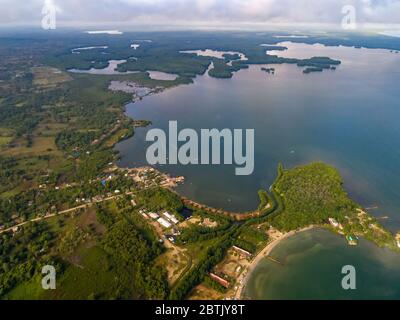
[243, 278]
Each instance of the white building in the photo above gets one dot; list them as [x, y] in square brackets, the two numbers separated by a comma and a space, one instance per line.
[170, 217]
[154, 215]
[164, 223]
[333, 222]
[145, 215]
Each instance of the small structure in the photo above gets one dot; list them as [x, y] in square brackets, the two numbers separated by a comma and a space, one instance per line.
[243, 252]
[154, 215]
[351, 240]
[172, 239]
[333, 222]
[164, 223]
[170, 217]
[223, 282]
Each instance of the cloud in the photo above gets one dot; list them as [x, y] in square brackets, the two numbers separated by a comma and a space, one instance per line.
[188, 12]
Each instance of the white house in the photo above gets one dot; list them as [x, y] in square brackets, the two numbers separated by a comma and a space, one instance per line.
[170, 217]
[154, 215]
[164, 223]
[333, 222]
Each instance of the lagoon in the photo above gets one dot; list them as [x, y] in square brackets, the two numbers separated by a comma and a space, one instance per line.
[111, 69]
[311, 268]
[347, 118]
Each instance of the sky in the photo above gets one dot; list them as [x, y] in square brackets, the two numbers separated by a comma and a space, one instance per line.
[192, 13]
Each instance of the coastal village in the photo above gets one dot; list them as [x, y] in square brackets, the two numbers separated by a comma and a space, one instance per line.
[144, 177]
[231, 274]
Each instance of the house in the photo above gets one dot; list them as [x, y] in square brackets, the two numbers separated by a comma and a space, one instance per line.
[164, 223]
[170, 217]
[333, 222]
[145, 215]
[153, 215]
[221, 281]
[243, 252]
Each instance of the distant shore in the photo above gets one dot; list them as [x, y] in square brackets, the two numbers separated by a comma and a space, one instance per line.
[245, 276]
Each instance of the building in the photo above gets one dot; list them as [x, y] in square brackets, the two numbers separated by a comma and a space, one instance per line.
[154, 215]
[172, 239]
[333, 222]
[170, 217]
[221, 281]
[243, 252]
[164, 223]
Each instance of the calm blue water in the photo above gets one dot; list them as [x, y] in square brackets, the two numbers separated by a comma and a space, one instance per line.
[312, 265]
[348, 118]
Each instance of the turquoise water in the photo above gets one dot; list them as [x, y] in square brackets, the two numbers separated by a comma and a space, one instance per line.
[348, 118]
[312, 264]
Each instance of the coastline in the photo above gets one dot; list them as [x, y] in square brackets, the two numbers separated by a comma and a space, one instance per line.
[244, 277]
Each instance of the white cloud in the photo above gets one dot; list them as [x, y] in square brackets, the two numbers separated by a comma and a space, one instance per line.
[153, 12]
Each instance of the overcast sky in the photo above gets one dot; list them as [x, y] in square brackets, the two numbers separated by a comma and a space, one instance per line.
[198, 12]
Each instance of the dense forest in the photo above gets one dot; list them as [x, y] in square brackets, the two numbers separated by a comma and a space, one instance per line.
[311, 194]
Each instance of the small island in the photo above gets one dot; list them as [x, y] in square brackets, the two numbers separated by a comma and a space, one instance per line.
[268, 70]
[312, 69]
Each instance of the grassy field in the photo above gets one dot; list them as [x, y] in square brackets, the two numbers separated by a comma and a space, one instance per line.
[48, 78]
[4, 141]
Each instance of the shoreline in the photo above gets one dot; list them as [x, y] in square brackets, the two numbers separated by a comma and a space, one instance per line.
[244, 277]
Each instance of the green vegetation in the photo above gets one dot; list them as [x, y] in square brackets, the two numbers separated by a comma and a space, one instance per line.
[157, 199]
[264, 199]
[251, 239]
[93, 261]
[195, 275]
[23, 255]
[57, 133]
[210, 283]
[311, 194]
[314, 193]
[198, 233]
[222, 70]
